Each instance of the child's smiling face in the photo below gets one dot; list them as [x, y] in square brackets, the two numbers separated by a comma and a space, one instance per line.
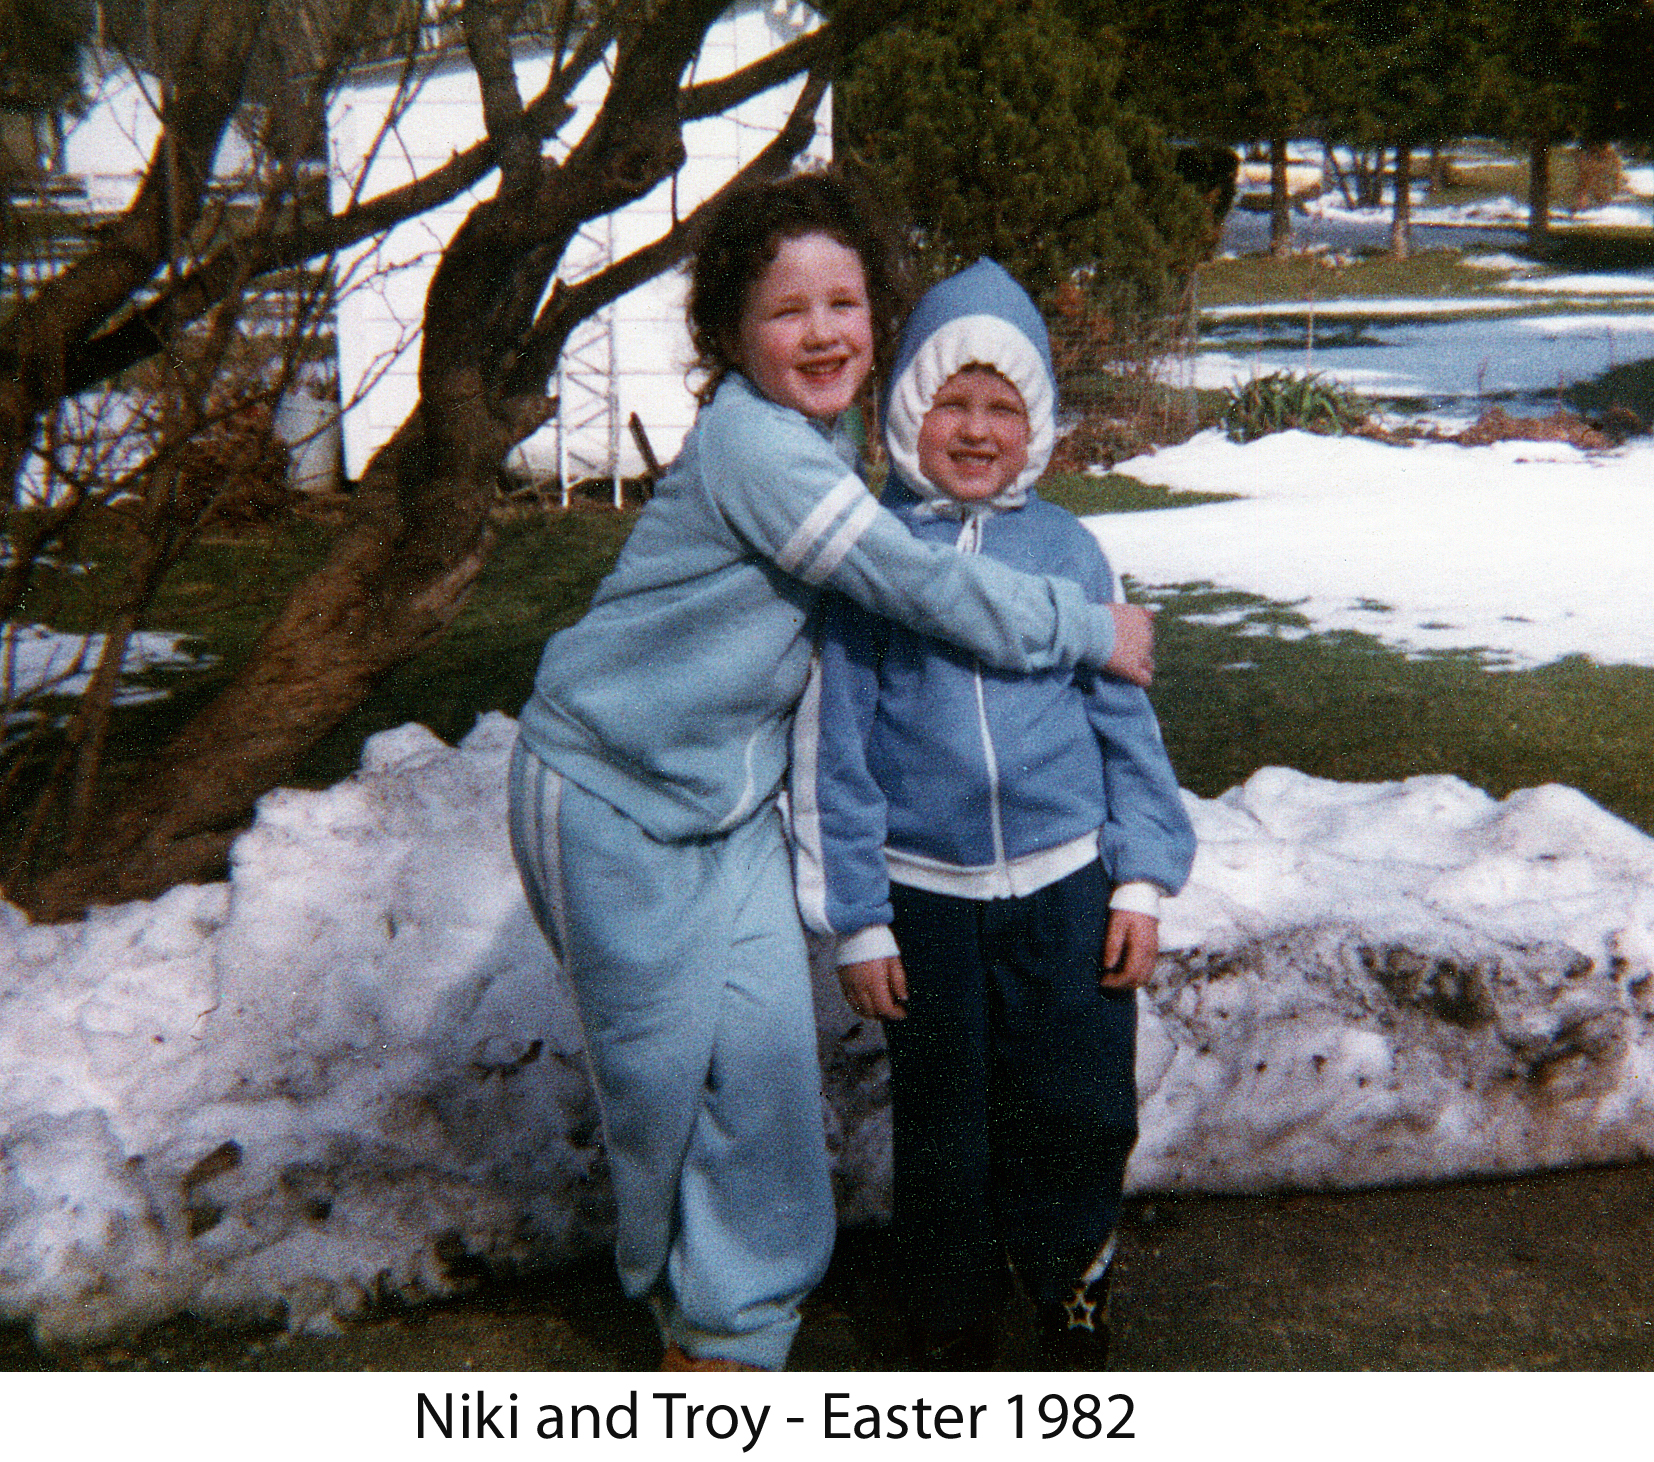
[806, 336]
[973, 442]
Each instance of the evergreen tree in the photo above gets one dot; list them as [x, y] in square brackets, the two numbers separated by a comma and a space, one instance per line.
[1538, 63]
[1215, 70]
[998, 128]
[1407, 82]
[1619, 90]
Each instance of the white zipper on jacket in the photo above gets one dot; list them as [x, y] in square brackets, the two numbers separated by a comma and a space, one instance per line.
[970, 541]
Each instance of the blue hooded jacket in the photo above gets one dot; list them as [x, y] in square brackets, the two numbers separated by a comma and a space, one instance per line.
[915, 762]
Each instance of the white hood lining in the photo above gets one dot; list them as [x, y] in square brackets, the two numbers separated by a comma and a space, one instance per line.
[972, 340]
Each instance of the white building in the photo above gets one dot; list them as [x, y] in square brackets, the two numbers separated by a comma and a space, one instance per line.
[631, 358]
[108, 146]
[634, 356]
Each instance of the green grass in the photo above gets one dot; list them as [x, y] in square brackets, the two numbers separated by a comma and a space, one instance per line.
[1337, 705]
[539, 577]
[1343, 706]
[1117, 493]
[1630, 386]
[1255, 279]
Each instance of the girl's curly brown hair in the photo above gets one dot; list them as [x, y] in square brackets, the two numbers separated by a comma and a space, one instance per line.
[740, 238]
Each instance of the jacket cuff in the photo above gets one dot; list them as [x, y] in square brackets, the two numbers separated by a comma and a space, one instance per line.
[1103, 636]
[874, 942]
[1137, 897]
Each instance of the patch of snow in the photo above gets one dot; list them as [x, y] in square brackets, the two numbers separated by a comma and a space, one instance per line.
[1598, 284]
[301, 1090]
[1508, 263]
[35, 660]
[1431, 359]
[1361, 308]
[1525, 551]
[1399, 981]
[1610, 215]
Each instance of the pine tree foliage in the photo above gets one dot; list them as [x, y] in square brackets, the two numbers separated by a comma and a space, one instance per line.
[998, 128]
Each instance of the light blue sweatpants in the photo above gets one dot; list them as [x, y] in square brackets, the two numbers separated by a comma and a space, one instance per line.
[689, 972]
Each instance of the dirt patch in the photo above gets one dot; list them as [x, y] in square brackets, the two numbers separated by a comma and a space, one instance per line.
[1610, 428]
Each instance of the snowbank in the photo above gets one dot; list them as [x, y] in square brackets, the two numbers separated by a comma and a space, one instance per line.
[1400, 981]
[354, 1066]
[324, 1081]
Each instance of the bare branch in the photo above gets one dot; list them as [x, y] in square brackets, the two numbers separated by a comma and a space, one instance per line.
[418, 527]
[169, 199]
[710, 98]
[139, 333]
[572, 303]
[502, 104]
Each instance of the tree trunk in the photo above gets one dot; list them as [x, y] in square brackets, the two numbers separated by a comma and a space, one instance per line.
[1401, 221]
[418, 533]
[1280, 199]
[392, 584]
[1330, 169]
[1369, 177]
[1441, 171]
[1539, 193]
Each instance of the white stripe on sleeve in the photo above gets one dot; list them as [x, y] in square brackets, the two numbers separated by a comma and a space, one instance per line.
[809, 860]
[814, 528]
[832, 555]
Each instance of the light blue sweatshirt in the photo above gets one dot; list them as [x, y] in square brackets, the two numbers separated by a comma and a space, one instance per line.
[673, 698]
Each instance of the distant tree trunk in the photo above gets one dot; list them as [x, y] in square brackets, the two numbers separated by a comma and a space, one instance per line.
[1539, 193]
[1369, 177]
[1441, 171]
[1280, 199]
[1330, 169]
[1401, 221]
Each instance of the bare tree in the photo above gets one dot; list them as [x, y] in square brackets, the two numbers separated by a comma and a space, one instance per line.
[494, 324]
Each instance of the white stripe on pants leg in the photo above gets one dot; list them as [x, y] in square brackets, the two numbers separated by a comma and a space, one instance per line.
[535, 798]
[689, 972]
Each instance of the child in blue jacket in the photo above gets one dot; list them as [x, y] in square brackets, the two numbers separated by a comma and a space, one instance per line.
[989, 846]
[644, 785]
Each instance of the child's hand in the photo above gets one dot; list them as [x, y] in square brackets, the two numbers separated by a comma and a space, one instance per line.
[876, 987]
[1130, 948]
[1133, 657]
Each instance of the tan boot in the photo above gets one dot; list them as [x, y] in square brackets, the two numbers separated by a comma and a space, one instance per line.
[677, 1359]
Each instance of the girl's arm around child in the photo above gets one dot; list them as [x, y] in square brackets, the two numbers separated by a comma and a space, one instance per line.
[779, 485]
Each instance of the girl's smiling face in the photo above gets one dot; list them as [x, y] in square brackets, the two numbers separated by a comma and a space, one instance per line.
[806, 334]
[973, 442]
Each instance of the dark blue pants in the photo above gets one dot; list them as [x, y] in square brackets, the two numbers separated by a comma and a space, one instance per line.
[1013, 1091]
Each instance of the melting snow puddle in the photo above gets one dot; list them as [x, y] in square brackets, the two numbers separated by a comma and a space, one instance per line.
[1440, 360]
